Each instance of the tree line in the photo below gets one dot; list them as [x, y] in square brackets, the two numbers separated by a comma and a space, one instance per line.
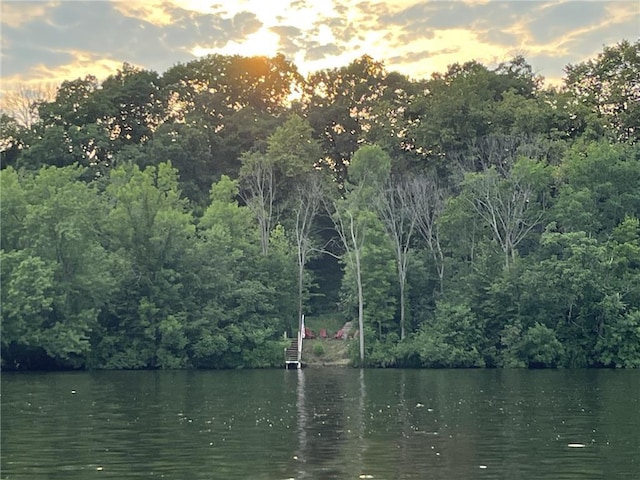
[188, 219]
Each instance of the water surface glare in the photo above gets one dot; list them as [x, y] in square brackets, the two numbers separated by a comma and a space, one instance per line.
[322, 424]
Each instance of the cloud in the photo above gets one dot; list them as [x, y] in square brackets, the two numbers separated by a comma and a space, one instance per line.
[415, 37]
[499, 37]
[320, 52]
[262, 42]
[72, 27]
[445, 48]
[101, 32]
[413, 57]
[560, 19]
[78, 65]
[153, 12]
[19, 13]
[165, 12]
[245, 23]
[289, 39]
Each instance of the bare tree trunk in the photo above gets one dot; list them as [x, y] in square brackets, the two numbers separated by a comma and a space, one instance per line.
[300, 289]
[439, 259]
[503, 203]
[426, 199]
[21, 102]
[307, 204]
[259, 193]
[356, 242]
[398, 216]
[360, 305]
[352, 237]
[402, 308]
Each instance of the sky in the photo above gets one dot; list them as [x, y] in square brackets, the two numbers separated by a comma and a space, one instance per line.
[44, 42]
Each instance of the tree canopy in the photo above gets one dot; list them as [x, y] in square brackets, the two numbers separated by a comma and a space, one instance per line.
[188, 219]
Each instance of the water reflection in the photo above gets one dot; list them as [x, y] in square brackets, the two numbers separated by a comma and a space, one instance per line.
[321, 424]
[301, 409]
[323, 416]
[360, 422]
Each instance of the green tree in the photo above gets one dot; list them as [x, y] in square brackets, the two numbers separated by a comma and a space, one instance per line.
[470, 102]
[135, 105]
[59, 240]
[92, 121]
[152, 234]
[565, 289]
[618, 343]
[538, 346]
[14, 199]
[293, 149]
[268, 178]
[305, 207]
[451, 339]
[426, 198]
[189, 148]
[246, 296]
[619, 346]
[599, 185]
[259, 193]
[351, 105]
[12, 140]
[236, 101]
[608, 89]
[27, 300]
[352, 216]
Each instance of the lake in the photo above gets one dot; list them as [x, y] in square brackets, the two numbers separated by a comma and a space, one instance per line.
[322, 423]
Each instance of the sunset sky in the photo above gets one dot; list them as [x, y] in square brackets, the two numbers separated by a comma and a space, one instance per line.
[50, 41]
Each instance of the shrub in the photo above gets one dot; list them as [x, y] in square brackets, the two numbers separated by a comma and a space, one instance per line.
[541, 348]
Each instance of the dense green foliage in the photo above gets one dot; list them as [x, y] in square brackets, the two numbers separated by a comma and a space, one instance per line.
[185, 220]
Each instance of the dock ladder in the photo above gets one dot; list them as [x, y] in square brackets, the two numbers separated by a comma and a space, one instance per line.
[293, 353]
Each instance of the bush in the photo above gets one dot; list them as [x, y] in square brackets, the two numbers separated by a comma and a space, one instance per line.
[451, 340]
[537, 347]
[541, 348]
[318, 350]
[383, 353]
[620, 345]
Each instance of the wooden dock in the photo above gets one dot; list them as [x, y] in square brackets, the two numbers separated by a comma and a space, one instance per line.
[293, 354]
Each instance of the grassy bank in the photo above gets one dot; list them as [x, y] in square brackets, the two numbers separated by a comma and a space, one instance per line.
[326, 352]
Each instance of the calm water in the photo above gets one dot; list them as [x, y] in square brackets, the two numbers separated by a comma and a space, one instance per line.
[322, 424]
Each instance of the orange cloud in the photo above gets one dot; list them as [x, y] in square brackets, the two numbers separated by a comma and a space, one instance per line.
[151, 11]
[83, 64]
[158, 12]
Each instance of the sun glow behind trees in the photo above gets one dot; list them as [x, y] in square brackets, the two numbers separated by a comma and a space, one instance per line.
[54, 41]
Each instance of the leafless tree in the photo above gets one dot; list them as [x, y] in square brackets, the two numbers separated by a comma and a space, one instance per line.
[427, 199]
[306, 204]
[508, 205]
[500, 190]
[351, 222]
[258, 192]
[497, 151]
[21, 103]
[399, 218]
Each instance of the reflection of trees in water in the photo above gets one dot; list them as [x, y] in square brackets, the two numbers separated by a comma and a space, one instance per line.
[361, 426]
[301, 425]
[407, 423]
[330, 424]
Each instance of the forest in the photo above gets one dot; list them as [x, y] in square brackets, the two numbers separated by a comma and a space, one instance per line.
[477, 218]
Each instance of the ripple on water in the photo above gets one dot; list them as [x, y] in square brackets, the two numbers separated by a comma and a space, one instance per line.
[321, 424]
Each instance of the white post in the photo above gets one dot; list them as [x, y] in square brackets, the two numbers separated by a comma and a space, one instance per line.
[300, 337]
